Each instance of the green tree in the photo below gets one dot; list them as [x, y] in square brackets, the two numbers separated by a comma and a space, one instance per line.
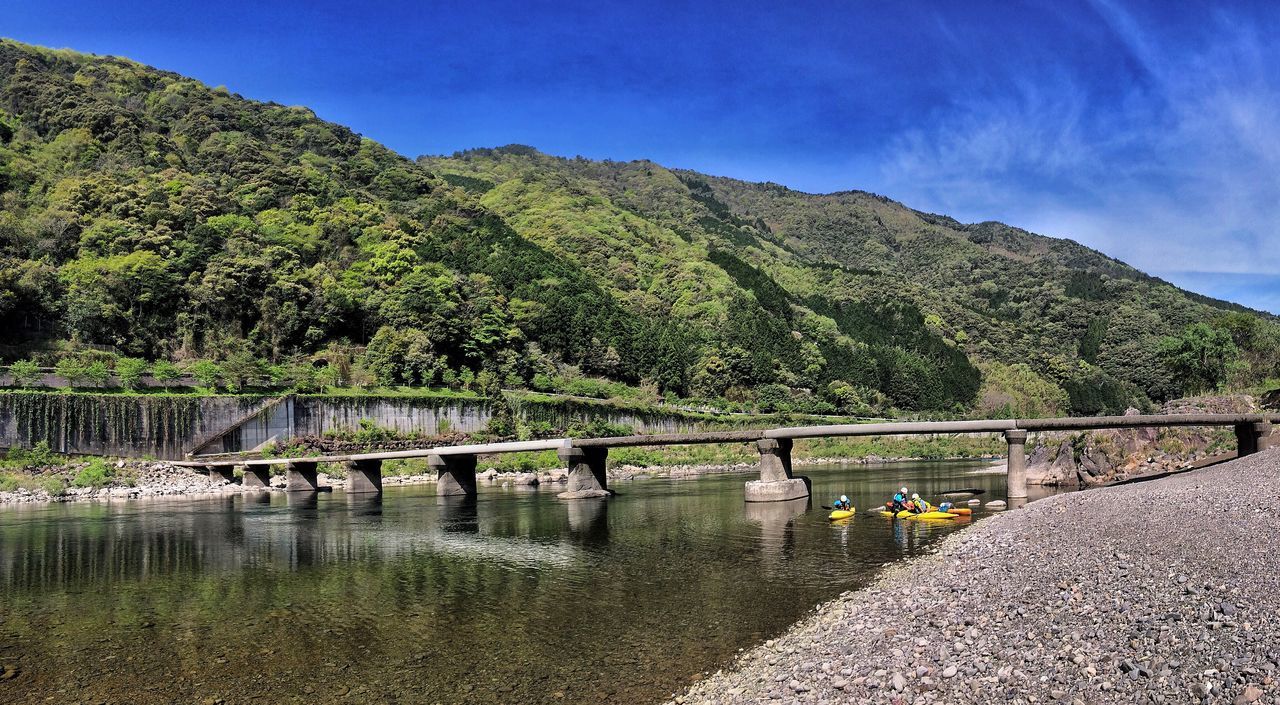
[165, 372]
[206, 372]
[98, 373]
[129, 371]
[25, 373]
[241, 368]
[1199, 358]
[72, 369]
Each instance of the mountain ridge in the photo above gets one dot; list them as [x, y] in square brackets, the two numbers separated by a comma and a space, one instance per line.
[147, 214]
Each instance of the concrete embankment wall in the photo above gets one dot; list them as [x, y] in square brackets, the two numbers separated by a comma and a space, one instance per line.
[169, 426]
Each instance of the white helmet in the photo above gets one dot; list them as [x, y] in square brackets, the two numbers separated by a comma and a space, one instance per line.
[844, 498]
[903, 490]
[915, 496]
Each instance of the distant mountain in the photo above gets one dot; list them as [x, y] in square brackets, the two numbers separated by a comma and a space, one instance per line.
[891, 298]
[147, 214]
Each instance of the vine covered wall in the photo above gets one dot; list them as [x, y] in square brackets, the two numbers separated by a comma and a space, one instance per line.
[161, 426]
[169, 426]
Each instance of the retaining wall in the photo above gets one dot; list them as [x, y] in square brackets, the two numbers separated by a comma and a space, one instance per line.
[169, 426]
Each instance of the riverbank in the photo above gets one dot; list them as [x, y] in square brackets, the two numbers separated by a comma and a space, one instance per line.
[132, 479]
[1163, 591]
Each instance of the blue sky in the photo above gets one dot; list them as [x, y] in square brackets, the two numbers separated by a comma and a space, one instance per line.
[1145, 129]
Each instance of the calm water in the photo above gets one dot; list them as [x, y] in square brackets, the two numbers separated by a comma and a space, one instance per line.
[513, 596]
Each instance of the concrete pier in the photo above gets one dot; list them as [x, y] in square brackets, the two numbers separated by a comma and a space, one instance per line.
[455, 474]
[256, 476]
[364, 476]
[301, 476]
[776, 483]
[586, 472]
[1016, 481]
[1252, 437]
[220, 472]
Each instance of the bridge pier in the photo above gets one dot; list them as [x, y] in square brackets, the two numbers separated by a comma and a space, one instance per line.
[455, 474]
[1252, 437]
[301, 476]
[220, 472]
[258, 476]
[364, 476]
[587, 477]
[1016, 480]
[776, 483]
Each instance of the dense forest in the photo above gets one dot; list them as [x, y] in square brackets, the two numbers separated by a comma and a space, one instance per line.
[147, 219]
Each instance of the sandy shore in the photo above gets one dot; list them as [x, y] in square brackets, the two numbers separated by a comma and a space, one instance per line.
[1158, 592]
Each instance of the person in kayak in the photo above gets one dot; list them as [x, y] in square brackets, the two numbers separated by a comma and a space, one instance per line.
[843, 504]
[899, 501]
[917, 505]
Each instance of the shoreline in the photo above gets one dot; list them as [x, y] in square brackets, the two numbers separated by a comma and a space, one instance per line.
[162, 479]
[1075, 598]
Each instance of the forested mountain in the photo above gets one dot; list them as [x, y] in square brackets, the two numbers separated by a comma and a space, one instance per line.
[145, 214]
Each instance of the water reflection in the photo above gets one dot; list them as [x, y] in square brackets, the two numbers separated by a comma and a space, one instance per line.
[123, 601]
[777, 526]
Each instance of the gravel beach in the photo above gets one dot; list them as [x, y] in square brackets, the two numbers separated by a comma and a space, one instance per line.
[1164, 591]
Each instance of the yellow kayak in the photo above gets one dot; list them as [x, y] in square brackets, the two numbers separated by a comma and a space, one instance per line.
[904, 514]
[840, 514]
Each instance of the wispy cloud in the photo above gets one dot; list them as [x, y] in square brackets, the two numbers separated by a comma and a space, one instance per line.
[1172, 166]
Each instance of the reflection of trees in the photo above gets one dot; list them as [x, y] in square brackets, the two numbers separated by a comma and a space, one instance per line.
[110, 545]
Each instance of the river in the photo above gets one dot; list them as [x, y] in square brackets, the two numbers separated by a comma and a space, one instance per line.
[513, 596]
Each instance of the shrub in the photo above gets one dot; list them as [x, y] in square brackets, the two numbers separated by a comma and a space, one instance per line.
[96, 474]
[370, 432]
[40, 455]
[53, 485]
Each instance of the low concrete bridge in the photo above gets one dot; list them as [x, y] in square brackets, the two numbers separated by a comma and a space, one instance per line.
[455, 466]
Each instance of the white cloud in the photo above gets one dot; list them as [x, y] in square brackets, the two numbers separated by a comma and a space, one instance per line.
[1175, 168]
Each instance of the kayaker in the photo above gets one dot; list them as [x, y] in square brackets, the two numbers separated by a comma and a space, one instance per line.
[919, 506]
[899, 501]
[843, 504]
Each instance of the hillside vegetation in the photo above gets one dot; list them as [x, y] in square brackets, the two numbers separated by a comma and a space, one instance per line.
[147, 217]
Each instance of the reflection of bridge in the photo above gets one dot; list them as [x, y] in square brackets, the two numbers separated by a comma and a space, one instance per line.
[585, 458]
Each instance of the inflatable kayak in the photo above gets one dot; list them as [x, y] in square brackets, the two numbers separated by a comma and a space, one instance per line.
[840, 514]
[904, 514]
[961, 511]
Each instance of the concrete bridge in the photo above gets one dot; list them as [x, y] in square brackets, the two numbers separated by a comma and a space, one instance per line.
[455, 466]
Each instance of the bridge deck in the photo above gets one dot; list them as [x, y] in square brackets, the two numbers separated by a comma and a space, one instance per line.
[796, 432]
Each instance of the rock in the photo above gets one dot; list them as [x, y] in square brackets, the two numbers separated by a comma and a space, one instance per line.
[1251, 694]
[584, 494]
[996, 504]
[897, 682]
[949, 672]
